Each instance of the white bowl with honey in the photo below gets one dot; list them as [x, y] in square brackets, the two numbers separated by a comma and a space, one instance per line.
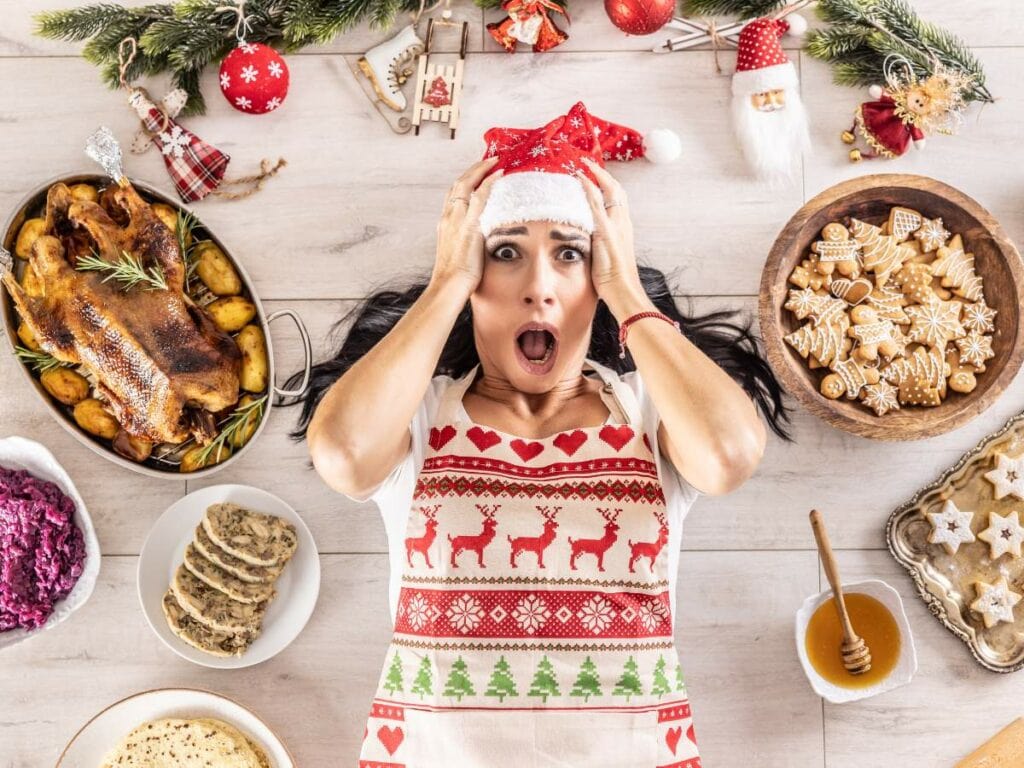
[876, 612]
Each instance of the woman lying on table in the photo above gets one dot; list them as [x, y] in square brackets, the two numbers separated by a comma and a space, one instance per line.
[534, 510]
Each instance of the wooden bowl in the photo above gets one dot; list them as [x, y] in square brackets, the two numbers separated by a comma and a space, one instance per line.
[869, 198]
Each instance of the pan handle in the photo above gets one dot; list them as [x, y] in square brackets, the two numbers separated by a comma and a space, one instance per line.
[307, 350]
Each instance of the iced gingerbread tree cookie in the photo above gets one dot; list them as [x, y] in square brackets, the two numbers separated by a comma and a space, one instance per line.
[1003, 535]
[951, 527]
[1008, 476]
[995, 602]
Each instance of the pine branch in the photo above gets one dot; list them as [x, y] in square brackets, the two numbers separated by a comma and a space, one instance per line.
[741, 9]
[862, 33]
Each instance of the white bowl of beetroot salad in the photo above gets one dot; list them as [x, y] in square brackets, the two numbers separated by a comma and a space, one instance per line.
[49, 554]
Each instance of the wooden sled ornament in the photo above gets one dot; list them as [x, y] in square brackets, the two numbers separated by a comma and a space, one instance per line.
[439, 87]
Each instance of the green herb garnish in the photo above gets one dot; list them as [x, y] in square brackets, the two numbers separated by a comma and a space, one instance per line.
[127, 270]
[236, 423]
[41, 362]
[184, 227]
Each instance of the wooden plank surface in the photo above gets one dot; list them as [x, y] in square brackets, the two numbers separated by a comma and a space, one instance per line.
[356, 208]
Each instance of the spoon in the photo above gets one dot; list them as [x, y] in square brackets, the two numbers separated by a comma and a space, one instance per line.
[856, 655]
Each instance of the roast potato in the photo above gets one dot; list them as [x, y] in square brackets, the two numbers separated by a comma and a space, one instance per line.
[27, 235]
[131, 447]
[30, 282]
[28, 338]
[65, 385]
[253, 377]
[192, 460]
[231, 313]
[80, 192]
[215, 270]
[169, 216]
[91, 416]
[244, 433]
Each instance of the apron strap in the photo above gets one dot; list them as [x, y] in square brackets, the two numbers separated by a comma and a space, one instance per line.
[616, 395]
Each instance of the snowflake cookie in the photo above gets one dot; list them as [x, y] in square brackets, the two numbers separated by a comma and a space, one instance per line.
[1008, 476]
[1003, 535]
[931, 235]
[995, 602]
[950, 527]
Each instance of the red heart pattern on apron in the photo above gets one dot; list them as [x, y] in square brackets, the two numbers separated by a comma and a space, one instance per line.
[483, 439]
[440, 437]
[570, 442]
[391, 738]
[616, 437]
[525, 450]
[672, 736]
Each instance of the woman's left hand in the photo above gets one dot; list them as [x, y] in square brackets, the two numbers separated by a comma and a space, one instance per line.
[613, 260]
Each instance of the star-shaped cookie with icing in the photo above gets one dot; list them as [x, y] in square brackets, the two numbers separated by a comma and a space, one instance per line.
[1008, 476]
[950, 527]
[995, 602]
[1003, 535]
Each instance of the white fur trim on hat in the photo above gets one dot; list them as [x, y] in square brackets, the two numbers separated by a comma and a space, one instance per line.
[536, 196]
[770, 78]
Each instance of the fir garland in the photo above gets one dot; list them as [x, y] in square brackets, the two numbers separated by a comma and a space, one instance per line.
[182, 38]
[861, 33]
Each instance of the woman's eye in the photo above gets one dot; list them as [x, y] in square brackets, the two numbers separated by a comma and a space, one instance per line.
[504, 253]
[571, 254]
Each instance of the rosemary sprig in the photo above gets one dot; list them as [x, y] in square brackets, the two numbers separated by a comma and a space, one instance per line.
[237, 422]
[127, 270]
[186, 224]
[41, 362]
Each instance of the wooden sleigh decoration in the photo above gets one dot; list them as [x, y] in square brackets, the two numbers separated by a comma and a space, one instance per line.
[438, 92]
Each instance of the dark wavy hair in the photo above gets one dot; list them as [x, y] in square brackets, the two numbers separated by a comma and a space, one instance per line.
[724, 336]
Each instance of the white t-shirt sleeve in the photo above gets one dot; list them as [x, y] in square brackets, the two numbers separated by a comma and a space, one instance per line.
[403, 474]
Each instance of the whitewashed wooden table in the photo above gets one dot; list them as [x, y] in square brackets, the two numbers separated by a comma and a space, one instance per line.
[356, 207]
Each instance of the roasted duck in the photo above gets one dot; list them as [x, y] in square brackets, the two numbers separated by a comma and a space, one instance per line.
[162, 365]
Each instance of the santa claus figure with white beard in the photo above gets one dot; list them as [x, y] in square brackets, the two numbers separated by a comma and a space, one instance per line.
[768, 115]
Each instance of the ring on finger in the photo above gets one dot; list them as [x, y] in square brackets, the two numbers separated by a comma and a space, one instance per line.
[610, 203]
[458, 200]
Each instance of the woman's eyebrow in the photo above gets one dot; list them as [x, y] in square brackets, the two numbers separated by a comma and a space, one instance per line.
[567, 237]
[508, 231]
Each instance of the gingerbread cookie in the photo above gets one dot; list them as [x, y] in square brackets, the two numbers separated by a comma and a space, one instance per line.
[903, 221]
[1008, 477]
[950, 527]
[975, 349]
[978, 316]
[853, 292]
[848, 378]
[931, 235]
[881, 398]
[873, 335]
[801, 302]
[880, 253]
[1004, 535]
[936, 323]
[995, 602]
[836, 252]
[956, 269]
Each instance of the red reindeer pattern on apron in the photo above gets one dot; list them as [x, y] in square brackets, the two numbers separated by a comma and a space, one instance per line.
[534, 626]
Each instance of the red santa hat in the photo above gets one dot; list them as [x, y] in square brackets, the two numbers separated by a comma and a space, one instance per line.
[540, 164]
[761, 64]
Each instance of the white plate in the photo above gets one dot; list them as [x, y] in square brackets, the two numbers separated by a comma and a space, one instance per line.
[21, 453]
[906, 665]
[106, 728]
[297, 586]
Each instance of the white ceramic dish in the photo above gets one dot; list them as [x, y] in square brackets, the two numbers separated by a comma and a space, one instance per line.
[21, 453]
[108, 726]
[297, 587]
[906, 665]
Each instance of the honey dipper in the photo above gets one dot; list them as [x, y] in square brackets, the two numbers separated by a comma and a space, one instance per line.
[856, 655]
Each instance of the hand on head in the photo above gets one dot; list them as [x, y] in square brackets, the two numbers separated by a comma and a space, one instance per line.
[460, 244]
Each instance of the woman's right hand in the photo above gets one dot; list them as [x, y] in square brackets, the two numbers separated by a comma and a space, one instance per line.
[460, 244]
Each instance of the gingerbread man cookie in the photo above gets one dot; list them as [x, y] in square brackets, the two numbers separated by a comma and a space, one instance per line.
[836, 252]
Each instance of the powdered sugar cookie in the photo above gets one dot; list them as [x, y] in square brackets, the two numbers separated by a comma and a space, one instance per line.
[995, 601]
[1003, 535]
[1008, 476]
[950, 527]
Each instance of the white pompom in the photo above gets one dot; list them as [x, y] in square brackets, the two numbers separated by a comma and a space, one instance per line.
[875, 92]
[662, 145]
[797, 25]
[919, 144]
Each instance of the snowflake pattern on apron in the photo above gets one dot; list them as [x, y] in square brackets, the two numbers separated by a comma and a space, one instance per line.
[534, 625]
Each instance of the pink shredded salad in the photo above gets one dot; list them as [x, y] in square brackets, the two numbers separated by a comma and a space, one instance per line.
[42, 550]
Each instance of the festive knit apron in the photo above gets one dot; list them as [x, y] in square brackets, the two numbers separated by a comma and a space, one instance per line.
[533, 627]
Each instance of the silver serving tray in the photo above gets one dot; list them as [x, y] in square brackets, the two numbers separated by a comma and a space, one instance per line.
[944, 580]
[31, 205]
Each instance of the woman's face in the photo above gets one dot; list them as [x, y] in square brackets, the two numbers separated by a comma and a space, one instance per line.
[534, 305]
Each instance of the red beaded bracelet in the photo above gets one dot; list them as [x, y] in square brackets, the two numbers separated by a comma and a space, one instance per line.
[624, 326]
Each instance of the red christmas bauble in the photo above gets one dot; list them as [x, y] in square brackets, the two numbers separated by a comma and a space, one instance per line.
[640, 17]
[254, 78]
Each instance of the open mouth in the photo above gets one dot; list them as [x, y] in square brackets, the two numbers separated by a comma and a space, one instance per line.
[537, 345]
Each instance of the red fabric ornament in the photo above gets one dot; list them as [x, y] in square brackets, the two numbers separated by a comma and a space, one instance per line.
[254, 78]
[528, 22]
[882, 127]
[640, 17]
[438, 95]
